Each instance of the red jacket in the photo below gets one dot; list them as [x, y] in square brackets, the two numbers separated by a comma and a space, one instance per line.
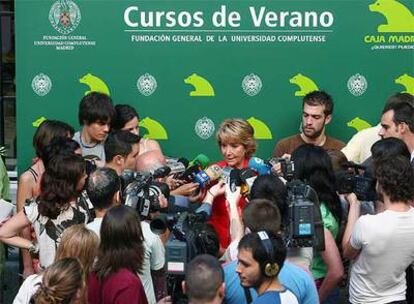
[220, 218]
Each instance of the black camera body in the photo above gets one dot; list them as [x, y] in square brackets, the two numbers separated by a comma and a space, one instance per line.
[349, 180]
[305, 224]
[186, 241]
[287, 166]
[140, 192]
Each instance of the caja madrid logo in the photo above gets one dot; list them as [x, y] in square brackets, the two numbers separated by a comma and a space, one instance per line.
[64, 16]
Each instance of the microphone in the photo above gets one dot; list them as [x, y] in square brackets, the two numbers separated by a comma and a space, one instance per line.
[211, 173]
[260, 166]
[234, 180]
[177, 165]
[200, 160]
[161, 172]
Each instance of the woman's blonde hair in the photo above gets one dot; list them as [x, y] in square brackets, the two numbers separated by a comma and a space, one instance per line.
[81, 243]
[62, 282]
[237, 131]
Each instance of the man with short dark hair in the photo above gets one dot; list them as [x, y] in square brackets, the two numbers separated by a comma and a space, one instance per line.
[261, 257]
[382, 245]
[103, 190]
[121, 150]
[204, 280]
[258, 215]
[95, 115]
[397, 120]
[317, 113]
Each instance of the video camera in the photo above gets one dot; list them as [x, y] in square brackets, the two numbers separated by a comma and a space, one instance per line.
[188, 239]
[141, 192]
[287, 166]
[305, 224]
[353, 178]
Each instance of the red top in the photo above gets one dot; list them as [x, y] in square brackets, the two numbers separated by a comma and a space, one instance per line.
[119, 288]
[220, 218]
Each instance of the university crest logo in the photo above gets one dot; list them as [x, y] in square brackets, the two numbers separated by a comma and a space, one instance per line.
[357, 85]
[204, 128]
[41, 84]
[64, 16]
[146, 84]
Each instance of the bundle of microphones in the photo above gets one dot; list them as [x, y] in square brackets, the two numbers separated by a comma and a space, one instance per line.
[199, 172]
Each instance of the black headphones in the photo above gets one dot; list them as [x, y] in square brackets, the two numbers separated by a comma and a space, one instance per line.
[271, 268]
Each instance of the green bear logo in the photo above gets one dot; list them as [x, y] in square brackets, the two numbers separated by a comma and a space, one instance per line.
[38, 121]
[95, 84]
[408, 82]
[201, 85]
[358, 124]
[154, 128]
[399, 17]
[305, 84]
[261, 130]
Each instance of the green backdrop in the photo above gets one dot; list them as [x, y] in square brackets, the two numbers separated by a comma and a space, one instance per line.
[344, 47]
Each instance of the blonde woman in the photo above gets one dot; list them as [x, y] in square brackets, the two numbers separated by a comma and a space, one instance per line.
[237, 145]
[62, 283]
[77, 242]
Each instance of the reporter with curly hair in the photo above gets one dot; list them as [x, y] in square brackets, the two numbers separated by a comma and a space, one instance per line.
[382, 245]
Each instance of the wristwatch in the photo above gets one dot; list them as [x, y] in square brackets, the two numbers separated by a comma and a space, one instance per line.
[33, 249]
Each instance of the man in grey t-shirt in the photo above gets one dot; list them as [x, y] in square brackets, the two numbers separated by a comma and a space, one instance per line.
[95, 115]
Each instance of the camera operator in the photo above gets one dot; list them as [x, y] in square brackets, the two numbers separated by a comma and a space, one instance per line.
[313, 165]
[382, 242]
[104, 192]
[204, 280]
[262, 214]
[103, 189]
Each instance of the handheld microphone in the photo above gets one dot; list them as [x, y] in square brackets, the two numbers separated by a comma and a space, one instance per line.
[248, 176]
[234, 180]
[161, 172]
[260, 166]
[177, 165]
[212, 173]
[200, 160]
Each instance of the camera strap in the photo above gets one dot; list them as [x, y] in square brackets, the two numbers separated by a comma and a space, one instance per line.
[247, 295]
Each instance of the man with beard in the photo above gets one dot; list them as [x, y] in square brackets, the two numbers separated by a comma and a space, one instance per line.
[317, 113]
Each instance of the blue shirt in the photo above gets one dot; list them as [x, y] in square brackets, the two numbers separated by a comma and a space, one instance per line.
[277, 297]
[291, 276]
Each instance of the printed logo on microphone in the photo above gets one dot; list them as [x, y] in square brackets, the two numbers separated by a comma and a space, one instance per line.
[305, 84]
[146, 84]
[408, 82]
[357, 85]
[41, 84]
[252, 84]
[204, 128]
[155, 129]
[64, 16]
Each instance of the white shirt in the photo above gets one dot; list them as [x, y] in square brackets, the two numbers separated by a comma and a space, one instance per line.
[95, 225]
[386, 241]
[154, 259]
[28, 289]
[358, 148]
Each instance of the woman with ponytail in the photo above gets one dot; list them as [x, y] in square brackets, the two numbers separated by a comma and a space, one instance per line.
[62, 283]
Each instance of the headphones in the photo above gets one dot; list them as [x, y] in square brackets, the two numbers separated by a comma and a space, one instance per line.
[271, 269]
